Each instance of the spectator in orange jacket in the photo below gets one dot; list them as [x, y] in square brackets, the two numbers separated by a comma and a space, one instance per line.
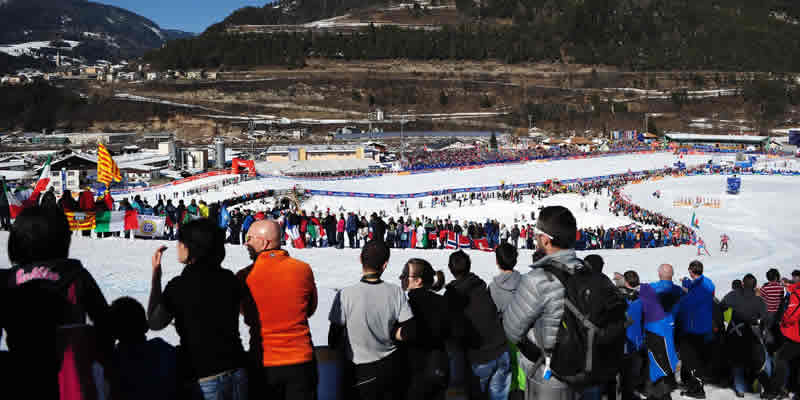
[283, 297]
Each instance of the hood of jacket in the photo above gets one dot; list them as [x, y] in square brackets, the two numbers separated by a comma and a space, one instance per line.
[507, 282]
[565, 260]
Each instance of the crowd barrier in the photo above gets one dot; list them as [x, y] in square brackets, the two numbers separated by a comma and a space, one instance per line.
[192, 178]
[115, 192]
[314, 192]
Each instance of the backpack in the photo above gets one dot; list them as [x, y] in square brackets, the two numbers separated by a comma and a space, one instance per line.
[591, 337]
[50, 348]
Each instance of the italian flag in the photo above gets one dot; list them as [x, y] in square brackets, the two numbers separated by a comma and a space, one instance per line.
[14, 206]
[695, 222]
[44, 180]
[116, 221]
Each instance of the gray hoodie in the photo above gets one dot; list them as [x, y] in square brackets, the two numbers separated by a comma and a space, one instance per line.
[502, 289]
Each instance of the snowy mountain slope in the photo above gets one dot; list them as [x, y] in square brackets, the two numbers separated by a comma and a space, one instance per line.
[23, 21]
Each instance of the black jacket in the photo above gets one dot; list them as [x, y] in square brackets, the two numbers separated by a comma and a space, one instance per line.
[68, 278]
[205, 301]
[330, 226]
[475, 323]
[746, 306]
[48, 200]
[430, 330]
[378, 229]
[64, 285]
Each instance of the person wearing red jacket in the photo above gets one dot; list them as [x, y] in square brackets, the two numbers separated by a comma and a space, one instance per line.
[86, 200]
[790, 349]
[340, 232]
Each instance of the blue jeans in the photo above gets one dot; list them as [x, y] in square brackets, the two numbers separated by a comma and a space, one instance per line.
[495, 377]
[739, 382]
[230, 385]
[592, 393]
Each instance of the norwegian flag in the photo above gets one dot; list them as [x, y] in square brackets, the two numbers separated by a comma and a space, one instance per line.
[464, 242]
[483, 244]
[452, 241]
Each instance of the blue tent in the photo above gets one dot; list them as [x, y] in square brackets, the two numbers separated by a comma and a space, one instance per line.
[734, 184]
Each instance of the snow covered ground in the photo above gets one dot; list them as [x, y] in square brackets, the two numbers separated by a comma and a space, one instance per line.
[31, 48]
[759, 221]
[534, 171]
[504, 212]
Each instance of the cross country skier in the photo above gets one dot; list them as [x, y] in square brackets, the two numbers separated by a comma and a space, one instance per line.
[723, 243]
[701, 245]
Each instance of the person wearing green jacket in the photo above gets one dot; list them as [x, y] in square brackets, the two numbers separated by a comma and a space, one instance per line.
[312, 230]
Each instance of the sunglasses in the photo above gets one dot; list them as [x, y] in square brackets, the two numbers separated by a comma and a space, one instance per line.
[538, 231]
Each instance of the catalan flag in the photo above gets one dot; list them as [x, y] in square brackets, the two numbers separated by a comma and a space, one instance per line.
[107, 170]
[81, 221]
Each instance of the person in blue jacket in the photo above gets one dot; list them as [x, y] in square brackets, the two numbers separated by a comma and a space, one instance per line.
[632, 374]
[248, 220]
[659, 304]
[695, 320]
[488, 227]
[351, 226]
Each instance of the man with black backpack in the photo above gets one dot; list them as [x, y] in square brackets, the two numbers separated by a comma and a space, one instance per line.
[566, 319]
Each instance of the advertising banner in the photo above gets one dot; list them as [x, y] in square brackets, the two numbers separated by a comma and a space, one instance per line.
[151, 226]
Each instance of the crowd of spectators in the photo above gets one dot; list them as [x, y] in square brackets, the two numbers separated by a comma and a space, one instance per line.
[450, 158]
[396, 340]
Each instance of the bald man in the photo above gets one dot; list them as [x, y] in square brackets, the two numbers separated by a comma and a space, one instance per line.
[659, 300]
[283, 297]
[263, 235]
[665, 272]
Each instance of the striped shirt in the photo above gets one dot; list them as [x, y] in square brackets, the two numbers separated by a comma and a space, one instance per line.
[772, 293]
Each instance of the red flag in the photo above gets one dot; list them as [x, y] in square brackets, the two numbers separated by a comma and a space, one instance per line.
[464, 242]
[483, 244]
[131, 220]
[108, 200]
[294, 235]
[413, 239]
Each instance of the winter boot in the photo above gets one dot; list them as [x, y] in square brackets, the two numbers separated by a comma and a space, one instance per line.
[694, 386]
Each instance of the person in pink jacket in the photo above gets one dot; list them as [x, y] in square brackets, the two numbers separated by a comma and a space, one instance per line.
[340, 232]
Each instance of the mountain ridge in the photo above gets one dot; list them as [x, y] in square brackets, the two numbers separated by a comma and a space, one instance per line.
[105, 31]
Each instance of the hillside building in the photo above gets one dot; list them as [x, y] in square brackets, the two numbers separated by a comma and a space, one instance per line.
[319, 152]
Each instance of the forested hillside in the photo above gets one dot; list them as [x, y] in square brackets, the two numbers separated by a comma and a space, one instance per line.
[293, 12]
[630, 34]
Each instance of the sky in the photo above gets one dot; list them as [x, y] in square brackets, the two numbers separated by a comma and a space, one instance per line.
[186, 15]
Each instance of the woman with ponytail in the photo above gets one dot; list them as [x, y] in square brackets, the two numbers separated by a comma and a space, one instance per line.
[427, 358]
